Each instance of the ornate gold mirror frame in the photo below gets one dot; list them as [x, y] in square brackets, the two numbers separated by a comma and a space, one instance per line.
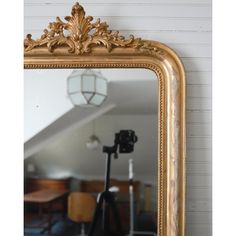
[79, 43]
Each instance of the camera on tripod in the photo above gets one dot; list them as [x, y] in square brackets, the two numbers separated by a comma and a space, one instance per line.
[126, 140]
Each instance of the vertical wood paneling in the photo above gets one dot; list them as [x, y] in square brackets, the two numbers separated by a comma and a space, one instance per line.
[186, 26]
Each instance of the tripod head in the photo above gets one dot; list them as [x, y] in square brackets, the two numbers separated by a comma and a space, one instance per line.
[125, 140]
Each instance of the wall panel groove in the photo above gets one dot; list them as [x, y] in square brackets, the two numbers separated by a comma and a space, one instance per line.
[122, 2]
[111, 10]
[135, 23]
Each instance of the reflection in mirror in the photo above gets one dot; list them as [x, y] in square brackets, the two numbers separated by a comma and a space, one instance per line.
[68, 148]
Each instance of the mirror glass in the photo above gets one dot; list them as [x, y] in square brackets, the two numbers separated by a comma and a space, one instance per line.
[68, 148]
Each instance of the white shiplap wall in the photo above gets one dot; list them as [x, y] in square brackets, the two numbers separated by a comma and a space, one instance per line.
[185, 25]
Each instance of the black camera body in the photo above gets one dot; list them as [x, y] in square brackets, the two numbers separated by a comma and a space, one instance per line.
[126, 139]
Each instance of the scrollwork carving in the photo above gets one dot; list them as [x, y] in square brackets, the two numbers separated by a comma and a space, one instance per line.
[83, 35]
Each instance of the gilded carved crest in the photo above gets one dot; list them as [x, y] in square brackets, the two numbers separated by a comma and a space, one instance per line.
[82, 35]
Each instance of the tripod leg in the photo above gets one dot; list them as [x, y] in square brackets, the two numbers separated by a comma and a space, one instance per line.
[116, 214]
[106, 218]
[96, 215]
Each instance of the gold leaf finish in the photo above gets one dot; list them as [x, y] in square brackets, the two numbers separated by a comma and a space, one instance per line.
[83, 35]
[92, 45]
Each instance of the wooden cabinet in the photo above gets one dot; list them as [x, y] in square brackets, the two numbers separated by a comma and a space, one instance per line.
[96, 186]
[35, 184]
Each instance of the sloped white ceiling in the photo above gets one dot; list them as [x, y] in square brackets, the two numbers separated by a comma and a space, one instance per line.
[59, 149]
[49, 112]
[67, 154]
[46, 99]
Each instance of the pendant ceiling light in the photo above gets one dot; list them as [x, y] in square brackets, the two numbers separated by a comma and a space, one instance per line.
[87, 88]
[93, 142]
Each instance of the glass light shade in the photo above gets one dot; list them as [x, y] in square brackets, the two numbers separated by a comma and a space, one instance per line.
[93, 142]
[86, 88]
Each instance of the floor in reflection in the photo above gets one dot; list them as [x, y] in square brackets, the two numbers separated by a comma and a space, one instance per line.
[65, 227]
